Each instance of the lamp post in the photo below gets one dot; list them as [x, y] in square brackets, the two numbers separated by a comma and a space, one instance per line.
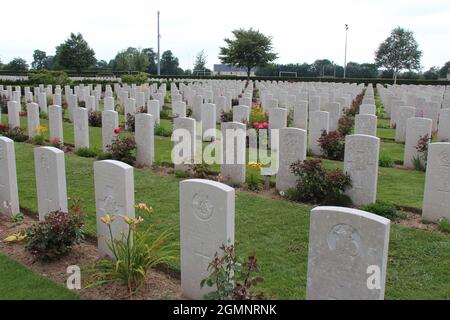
[159, 50]
[345, 59]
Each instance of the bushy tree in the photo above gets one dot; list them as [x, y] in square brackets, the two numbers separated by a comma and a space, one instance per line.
[132, 59]
[400, 51]
[75, 54]
[16, 65]
[249, 49]
[444, 70]
[200, 61]
[40, 60]
[431, 74]
[170, 64]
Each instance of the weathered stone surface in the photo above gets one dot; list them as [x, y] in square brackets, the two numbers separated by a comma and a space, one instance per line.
[9, 196]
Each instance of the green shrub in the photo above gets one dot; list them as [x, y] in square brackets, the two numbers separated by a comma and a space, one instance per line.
[53, 238]
[43, 115]
[383, 209]
[315, 184]
[332, 145]
[161, 131]
[165, 114]
[226, 116]
[86, 153]
[49, 77]
[95, 119]
[179, 174]
[17, 134]
[104, 156]
[137, 79]
[253, 183]
[201, 171]
[444, 225]
[385, 161]
[122, 149]
[346, 124]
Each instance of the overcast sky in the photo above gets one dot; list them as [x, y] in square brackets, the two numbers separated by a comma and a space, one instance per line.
[302, 31]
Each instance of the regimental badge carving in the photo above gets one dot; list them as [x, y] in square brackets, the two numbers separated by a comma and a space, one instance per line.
[203, 209]
[444, 158]
[344, 240]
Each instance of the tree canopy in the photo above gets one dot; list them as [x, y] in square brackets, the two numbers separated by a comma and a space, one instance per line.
[170, 64]
[75, 54]
[249, 49]
[398, 52]
[17, 65]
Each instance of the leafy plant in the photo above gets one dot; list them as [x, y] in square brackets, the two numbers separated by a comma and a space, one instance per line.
[122, 149]
[95, 119]
[346, 124]
[231, 278]
[444, 225]
[162, 131]
[18, 217]
[56, 143]
[86, 153]
[136, 252]
[201, 171]
[385, 161]
[226, 116]
[53, 238]
[49, 77]
[420, 162]
[383, 209]
[332, 145]
[17, 134]
[315, 184]
[137, 79]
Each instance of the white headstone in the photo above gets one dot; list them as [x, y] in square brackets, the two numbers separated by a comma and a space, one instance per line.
[361, 163]
[293, 144]
[301, 115]
[366, 124]
[241, 114]
[208, 117]
[13, 114]
[50, 180]
[114, 196]
[179, 109]
[403, 114]
[234, 152]
[444, 125]
[416, 128]
[145, 139]
[9, 196]
[206, 223]
[346, 247]
[110, 121]
[318, 122]
[55, 123]
[153, 108]
[81, 128]
[32, 119]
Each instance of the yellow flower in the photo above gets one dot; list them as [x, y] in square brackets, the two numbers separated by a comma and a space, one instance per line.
[143, 206]
[40, 130]
[255, 165]
[107, 219]
[127, 220]
[15, 238]
[138, 221]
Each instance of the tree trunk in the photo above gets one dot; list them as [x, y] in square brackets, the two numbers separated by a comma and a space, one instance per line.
[248, 73]
[395, 77]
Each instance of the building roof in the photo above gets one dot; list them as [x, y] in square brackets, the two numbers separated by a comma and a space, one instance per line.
[229, 68]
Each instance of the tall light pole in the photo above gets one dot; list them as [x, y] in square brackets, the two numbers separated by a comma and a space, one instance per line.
[159, 50]
[345, 59]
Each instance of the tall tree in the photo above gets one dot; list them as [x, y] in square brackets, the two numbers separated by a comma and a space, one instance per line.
[249, 49]
[151, 54]
[200, 61]
[16, 65]
[400, 51]
[169, 64]
[432, 73]
[132, 59]
[444, 70]
[40, 60]
[75, 54]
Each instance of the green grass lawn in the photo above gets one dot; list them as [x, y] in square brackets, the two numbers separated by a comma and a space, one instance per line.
[19, 283]
[276, 231]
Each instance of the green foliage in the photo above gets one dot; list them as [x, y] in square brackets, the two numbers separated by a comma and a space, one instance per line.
[200, 62]
[16, 65]
[258, 115]
[249, 49]
[253, 183]
[53, 238]
[17, 134]
[95, 119]
[315, 184]
[179, 174]
[444, 225]
[137, 79]
[18, 217]
[133, 59]
[201, 171]
[40, 60]
[49, 77]
[75, 54]
[86, 153]
[399, 51]
[346, 124]
[383, 209]
[332, 145]
[420, 162]
[170, 64]
[162, 131]
[136, 252]
[122, 149]
[385, 161]
[226, 116]
[231, 277]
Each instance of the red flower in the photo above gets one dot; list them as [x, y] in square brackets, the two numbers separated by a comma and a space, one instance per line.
[256, 124]
[117, 130]
[266, 125]
[56, 140]
[260, 126]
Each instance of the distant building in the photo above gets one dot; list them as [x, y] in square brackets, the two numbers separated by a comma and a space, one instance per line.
[227, 70]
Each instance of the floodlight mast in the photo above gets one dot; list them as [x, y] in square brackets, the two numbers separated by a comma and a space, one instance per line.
[345, 59]
[159, 49]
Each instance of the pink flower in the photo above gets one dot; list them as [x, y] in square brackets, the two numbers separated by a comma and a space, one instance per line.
[266, 125]
[56, 140]
[256, 124]
[117, 130]
[261, 126]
